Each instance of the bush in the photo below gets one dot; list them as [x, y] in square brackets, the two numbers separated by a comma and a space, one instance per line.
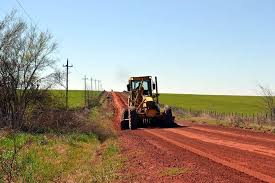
[237, 121]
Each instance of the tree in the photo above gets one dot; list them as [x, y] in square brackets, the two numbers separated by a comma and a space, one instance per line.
[27, 67]
[268, 100]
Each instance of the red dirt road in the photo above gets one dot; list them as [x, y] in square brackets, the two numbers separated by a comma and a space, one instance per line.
[202, 153]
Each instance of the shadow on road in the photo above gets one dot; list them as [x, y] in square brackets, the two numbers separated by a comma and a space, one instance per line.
[175, 125]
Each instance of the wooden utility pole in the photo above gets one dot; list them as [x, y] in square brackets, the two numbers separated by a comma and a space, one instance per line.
[85, 90]
[98, 85]
[91, 84]
[101, 86]
[67, 81]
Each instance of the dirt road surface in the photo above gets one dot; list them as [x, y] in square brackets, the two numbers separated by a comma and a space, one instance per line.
[194, 153]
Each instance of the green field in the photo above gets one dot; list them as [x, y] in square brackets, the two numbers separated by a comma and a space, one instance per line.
[219, 103]
[76, 97]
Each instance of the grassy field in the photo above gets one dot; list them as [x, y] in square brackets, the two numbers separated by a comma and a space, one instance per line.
[76, 97]
[219, 103]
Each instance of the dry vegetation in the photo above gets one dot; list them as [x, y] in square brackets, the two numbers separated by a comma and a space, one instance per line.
[228, 121]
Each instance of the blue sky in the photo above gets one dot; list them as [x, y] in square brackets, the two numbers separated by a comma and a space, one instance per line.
[195, 46]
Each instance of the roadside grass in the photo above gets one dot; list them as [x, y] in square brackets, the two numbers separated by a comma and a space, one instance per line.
[107, 163]
[100, 122]
[89, 153]
[174, 171]
[219, 103]
[237, 123]
[51, 157]
[70, 157]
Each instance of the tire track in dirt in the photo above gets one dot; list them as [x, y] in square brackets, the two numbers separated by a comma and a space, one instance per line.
[253, 161]
[237, 167]
[233, 134]
[226, 136]
[233, 144]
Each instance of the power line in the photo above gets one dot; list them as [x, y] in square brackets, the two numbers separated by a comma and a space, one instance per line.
[24, 10]
[78, 71]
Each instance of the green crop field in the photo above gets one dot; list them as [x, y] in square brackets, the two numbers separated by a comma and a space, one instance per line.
[76, 97]
[219, 103]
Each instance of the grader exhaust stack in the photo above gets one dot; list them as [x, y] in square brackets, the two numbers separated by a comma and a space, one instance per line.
[157, 90]
[143, 105]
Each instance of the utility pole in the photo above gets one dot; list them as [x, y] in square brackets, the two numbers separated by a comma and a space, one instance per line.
[92, 84]
[85, 90]
[67, 81]
[99, 84]
[88, 95]
[95, 84]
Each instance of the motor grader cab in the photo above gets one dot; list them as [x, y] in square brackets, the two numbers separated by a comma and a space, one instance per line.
[143, 105]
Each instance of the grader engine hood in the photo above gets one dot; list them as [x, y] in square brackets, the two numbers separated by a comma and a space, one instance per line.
[147, 99]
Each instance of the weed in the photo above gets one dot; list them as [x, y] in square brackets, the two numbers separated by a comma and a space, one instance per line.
[174, 171]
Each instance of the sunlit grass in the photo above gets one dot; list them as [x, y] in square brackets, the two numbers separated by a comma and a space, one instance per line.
[75, 97]
[219, 103]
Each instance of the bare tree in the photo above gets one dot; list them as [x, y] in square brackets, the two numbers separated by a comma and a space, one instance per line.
[268, 100]
[26, 67]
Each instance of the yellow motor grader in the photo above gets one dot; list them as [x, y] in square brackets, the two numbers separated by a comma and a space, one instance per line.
[143, 105]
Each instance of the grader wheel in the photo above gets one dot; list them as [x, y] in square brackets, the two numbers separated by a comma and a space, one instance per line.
[124, 122]
[133, 119]
[168, 117]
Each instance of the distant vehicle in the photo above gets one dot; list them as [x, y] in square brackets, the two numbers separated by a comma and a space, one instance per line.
[143, 105]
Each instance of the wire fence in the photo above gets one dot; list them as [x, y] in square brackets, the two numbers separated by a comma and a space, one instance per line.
[230, 116]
